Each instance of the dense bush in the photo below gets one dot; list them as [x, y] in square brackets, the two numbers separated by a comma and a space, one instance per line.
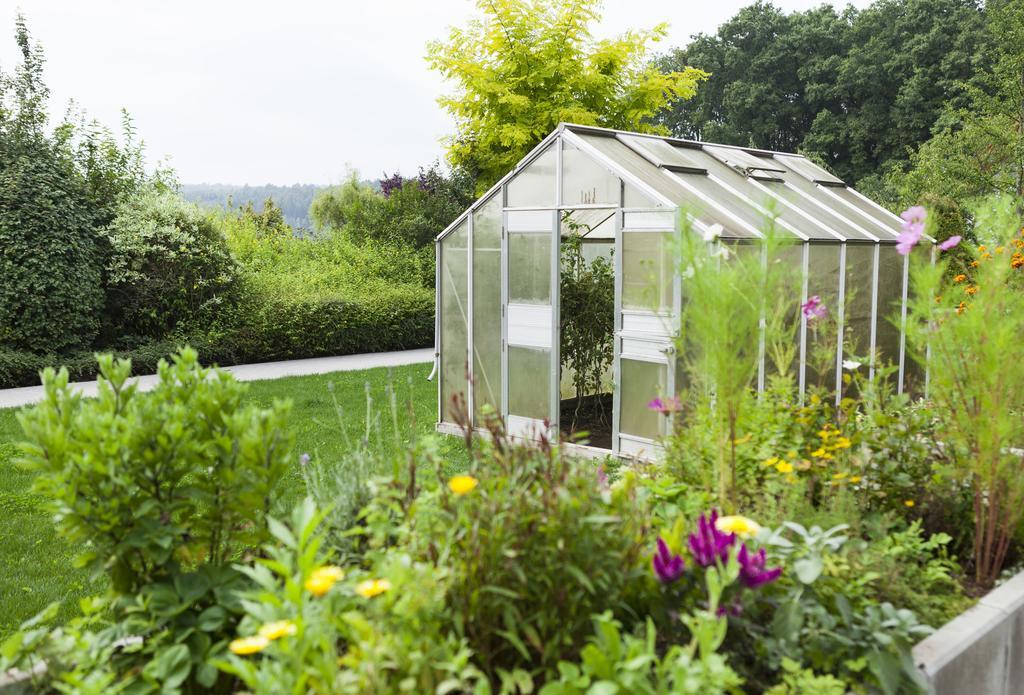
[168, 263]
[160, 491]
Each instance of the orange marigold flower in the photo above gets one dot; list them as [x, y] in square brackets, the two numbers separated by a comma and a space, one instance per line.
[974, 264]
[960, 278]
[961, 307]
[971, 290]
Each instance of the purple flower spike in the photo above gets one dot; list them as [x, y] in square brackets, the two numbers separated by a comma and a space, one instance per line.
[666, 406]
[949, 243]
[752, 568]
[668, 567]
[709, 545]
[813, 308]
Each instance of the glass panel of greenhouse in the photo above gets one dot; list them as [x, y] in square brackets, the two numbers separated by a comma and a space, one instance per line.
[559, 292]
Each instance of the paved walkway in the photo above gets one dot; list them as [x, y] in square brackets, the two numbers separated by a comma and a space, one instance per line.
[10, 398]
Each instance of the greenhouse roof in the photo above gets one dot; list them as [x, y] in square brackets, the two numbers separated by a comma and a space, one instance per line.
[734, 191]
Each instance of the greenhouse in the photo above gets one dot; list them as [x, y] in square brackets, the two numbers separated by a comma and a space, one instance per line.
[601, 207]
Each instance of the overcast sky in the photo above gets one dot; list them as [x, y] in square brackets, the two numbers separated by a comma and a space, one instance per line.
[281, 92]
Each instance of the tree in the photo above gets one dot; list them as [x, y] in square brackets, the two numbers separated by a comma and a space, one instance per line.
[979, 150]
[855, 90]
[50, 256]
[528, 65]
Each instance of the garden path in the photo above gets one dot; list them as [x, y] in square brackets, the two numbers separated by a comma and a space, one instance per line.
[10, 398]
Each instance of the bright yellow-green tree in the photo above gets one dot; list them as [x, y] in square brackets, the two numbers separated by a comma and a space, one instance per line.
[527, 65]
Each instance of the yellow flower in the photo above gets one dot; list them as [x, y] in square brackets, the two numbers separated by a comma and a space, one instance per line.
[277, 629]
[740, 525]
[972, 289]
[462, 484]
[909, 503]
[248, 645]
[784, 467]
[839, 476]
[372, 587]
[770, 462]
[960, 278]
[841, 443]
[322, 579]
[854, 479]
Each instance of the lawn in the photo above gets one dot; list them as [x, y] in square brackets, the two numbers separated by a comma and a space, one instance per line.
[37, 566]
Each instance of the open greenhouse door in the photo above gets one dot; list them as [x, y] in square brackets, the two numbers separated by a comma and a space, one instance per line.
[646, 297]
[531, 323]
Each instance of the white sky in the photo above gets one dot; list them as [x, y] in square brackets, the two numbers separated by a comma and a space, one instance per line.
[281, 92]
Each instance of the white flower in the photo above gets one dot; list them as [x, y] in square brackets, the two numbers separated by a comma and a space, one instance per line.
[851, 365]
[713, 232]
[688, 273]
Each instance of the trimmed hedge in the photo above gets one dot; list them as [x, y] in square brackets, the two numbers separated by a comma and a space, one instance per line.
[262, 330]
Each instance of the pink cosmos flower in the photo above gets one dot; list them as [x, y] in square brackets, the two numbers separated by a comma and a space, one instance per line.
[949, 243]
[913, 228]
[813, 308]
[666, 406]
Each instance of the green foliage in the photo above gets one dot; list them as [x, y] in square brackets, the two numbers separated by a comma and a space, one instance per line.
[803, 681]
[160, 491]
[856, 89]
[728, 291]
[963, 333]
[537, 548]
[292, 202]
[527, 66]
[979, 147]
[407, 212]
[342, 641]
[623, 663]
[168, 263]
[55, 190]
[823, 620]
[183, 472]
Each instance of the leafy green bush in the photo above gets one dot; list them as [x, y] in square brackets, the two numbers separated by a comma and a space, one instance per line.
[160, 491]
[535, 545]
[168, 263]
[311, 627]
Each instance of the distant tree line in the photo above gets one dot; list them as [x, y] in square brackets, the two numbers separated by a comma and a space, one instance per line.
[293, 201]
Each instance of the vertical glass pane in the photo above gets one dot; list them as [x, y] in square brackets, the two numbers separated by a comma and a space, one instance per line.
[487, 306]
[647, 271]
[782, 345]
[823, 332]
[529, 268]
[529, 382]
[633, 198]
[534, 186]
[454, 319]
[640, 382]
[584, 181]
[860, 261]
[890, 299]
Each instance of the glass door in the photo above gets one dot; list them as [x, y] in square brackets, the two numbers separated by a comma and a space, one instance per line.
[531, 323]
[647, 311]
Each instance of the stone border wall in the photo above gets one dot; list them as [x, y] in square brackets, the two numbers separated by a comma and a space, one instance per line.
[981, 651]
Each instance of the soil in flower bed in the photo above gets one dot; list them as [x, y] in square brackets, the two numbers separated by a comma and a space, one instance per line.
[593, 420]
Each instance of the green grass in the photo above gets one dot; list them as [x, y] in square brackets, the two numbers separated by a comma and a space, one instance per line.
[36, 565]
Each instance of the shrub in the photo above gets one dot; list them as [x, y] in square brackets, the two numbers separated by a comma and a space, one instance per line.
[168, 263]
[50, 259]
[311, 627]
[963, 331]
[535, 545]
[160, 491]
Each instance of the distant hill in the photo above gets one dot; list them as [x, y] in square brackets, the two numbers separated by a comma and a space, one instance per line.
[293, 200]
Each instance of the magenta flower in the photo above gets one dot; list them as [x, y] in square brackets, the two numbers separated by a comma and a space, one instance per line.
[913, 228]
[949, 243]
[753, 572]
[602, 477]
[813, 308]
[709, 545]
[668, 566]
[665, 406]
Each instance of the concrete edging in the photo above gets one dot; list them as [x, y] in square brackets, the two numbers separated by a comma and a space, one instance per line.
[981, 651]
